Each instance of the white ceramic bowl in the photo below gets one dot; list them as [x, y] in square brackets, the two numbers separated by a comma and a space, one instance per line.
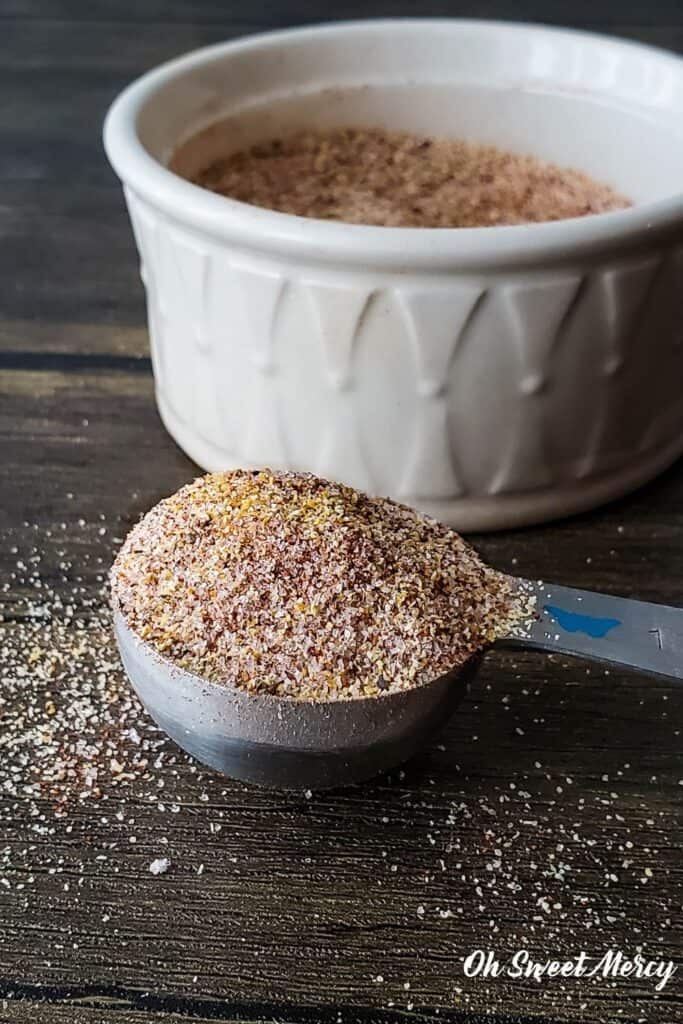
[489, 376]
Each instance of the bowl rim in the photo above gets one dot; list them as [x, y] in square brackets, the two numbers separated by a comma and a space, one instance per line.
[273, 232]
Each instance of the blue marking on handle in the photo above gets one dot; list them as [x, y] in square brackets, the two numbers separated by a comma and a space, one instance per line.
[575, 623]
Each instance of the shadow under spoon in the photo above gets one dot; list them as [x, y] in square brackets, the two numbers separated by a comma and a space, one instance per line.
[302, 744]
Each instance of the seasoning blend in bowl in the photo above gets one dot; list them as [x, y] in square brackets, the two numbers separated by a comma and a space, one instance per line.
[487, 376]
[286, 584]
[394, 179]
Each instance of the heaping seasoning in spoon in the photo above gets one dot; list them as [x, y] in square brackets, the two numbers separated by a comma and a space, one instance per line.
[288, 584]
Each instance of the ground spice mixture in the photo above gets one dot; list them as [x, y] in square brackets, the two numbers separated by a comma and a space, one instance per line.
[400, 180]
[285, 583]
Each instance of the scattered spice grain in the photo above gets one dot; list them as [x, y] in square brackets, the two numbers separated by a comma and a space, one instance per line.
[395, 179]
[159, 866]
[287, 584]
[73, 732]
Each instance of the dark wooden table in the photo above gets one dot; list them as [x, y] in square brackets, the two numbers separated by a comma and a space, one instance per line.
[548, 817]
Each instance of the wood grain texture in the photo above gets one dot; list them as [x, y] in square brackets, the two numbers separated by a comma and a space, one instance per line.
[548, 815]
[291, 11]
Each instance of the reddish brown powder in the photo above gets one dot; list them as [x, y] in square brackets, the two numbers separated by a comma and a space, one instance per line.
[288, 584]
[400, 180]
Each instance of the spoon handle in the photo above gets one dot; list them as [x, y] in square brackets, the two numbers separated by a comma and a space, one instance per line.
[615, 630]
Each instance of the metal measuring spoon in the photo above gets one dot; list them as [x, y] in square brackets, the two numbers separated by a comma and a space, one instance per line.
[304, 744]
